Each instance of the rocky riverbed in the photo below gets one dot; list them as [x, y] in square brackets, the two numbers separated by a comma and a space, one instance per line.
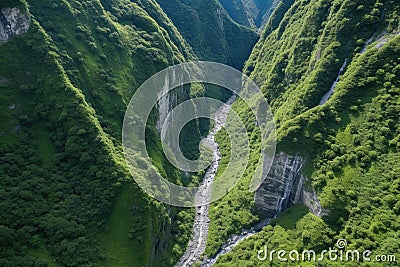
[197, 244]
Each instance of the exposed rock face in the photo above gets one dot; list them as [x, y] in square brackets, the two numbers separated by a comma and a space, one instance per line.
[284, 187]
[274, 193]
[169, 100]
[12, 22]
[310, 199]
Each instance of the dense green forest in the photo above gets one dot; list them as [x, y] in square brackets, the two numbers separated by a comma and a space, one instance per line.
[210, 30]
[351, 142]
[66, 196]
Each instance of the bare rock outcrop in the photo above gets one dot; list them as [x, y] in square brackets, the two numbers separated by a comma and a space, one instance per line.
[284, 186]
[12, 22]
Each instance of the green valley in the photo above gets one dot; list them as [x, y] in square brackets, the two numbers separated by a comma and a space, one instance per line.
[68, 69]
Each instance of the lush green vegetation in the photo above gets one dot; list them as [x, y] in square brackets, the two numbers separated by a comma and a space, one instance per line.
[66, 196]
[234, 211]
[288, 218]
[351, 142]
[213, 35]
[310, 232]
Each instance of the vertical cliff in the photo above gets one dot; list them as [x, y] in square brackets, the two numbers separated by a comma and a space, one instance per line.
[284, 186]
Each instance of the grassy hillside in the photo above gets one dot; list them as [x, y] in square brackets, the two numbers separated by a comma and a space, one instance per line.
[350, 141]
[213, 35]
[66, 196]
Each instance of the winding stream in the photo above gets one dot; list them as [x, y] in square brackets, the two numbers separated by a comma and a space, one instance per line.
[197, 244]
[234, 241]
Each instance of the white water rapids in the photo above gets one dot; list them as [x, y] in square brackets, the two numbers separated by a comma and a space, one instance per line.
[197, 244]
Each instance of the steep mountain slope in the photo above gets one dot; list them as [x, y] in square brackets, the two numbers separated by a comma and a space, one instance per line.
[66, 196]
[213, 35]
[312, 41]
[350, 143]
